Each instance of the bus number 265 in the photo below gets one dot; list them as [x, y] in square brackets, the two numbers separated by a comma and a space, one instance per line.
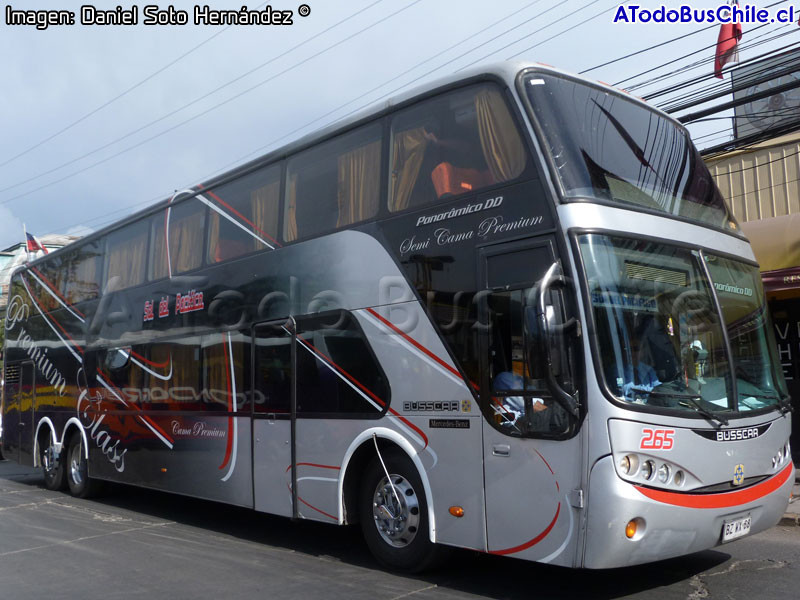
[657, 439]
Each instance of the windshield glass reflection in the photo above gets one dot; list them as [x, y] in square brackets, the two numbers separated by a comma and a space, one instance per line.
[606, 146]
[660, 339]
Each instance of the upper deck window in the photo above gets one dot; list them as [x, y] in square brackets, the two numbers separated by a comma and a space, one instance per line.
[603, 145]
[334, 185]
[244, 215]
[456, 143]
[126, 256]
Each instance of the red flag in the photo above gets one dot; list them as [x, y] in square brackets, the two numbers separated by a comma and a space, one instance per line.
[33, 244]
[727, 44]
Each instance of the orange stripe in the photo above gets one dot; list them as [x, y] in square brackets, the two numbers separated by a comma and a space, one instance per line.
[724, 499]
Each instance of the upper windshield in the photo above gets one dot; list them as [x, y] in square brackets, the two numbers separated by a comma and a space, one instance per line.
[661, 341]
[606, 146]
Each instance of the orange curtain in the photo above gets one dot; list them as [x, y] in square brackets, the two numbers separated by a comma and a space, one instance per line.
[186, 231]
[159, 258]
[500, 140]
[265, 202]
[127, 259]
[408, 149]
[213, 237]
[290, 225]
[359, 182]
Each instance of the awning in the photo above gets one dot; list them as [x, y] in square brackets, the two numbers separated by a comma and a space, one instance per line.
[776, 244]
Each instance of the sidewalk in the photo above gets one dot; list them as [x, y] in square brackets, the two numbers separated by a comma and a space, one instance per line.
[792, 515]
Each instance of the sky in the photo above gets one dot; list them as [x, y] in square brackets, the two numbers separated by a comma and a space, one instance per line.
[97, 122]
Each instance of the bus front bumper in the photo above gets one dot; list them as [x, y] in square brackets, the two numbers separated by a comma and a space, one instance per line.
[670, 524]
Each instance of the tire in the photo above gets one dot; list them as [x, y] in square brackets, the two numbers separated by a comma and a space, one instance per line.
[77, 470]
[54, 475]
[401, 543]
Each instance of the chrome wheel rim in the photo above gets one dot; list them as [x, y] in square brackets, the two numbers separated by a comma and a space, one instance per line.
[48, 464]
[396, 516]
[76, 464]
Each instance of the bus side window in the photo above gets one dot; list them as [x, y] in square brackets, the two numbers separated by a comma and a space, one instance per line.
[454, 144]
[334, 185]
[337, 373]
[224, 372]
[273, 371]
[186, 230]
[244, 217]
[126, 256]
[82, 281]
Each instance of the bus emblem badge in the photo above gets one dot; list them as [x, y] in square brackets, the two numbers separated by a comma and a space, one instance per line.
[738, 475]
[466, 406]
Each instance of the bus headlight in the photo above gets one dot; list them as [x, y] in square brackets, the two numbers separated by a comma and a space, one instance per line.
[648, 469]
[663, 473]
[629, 464]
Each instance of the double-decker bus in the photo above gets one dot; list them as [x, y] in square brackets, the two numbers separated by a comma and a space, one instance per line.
[507, 312]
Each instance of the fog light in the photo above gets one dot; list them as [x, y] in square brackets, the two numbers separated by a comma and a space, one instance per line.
[678, 478]
[630, 529]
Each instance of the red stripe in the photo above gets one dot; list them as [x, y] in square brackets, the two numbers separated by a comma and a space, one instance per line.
[240, 215]
[134, 407]
[365, 390]
[352, 379]
[150, 362]
[301, 464]
[229, 445]
[419, 346]
[534, 541]
[64, 331]
[322, 512]
[721, 500]
[56, 292]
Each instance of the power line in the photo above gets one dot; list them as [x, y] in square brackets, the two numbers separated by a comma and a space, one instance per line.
[264, 147]
[117, 97]
[191, 103]
[205, 112]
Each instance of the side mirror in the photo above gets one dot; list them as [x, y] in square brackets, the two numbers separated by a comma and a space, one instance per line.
[555, 334]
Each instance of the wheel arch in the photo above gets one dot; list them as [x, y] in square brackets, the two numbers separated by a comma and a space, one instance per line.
[361, 450]
[44, 424]
[74, 425]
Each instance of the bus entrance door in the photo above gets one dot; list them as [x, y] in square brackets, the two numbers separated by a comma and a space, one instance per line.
[18, 422]
[531, 463]
[274, 418]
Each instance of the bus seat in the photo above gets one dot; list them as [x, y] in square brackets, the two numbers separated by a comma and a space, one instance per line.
[448, 179]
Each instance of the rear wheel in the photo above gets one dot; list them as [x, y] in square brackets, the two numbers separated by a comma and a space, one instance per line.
[77, 470]
[394, 515]
[52, 467]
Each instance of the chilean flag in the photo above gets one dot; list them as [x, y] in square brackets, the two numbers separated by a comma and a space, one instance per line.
[727, 44]
[33, 244]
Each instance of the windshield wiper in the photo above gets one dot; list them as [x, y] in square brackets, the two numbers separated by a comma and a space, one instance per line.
[692, 398]
[707, 413]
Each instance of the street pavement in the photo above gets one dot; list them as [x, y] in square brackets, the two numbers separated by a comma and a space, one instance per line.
[140, 544]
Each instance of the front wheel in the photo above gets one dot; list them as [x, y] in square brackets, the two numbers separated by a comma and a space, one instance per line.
[77, 468]
[52, 467]
[394, 515]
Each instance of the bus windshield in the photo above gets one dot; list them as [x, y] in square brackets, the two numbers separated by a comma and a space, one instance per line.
[662, 342]
[604, 146]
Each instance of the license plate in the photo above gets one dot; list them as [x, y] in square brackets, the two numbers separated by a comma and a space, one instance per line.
[735, 528]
